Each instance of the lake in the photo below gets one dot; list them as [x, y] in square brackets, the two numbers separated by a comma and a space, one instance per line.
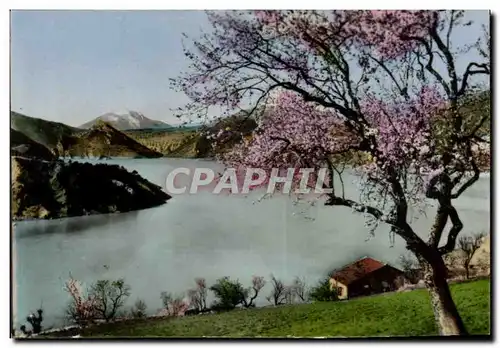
[203, 235]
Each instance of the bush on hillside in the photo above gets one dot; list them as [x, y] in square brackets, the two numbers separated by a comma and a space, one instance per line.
[36, 323]
[228, 293]
[323, 291]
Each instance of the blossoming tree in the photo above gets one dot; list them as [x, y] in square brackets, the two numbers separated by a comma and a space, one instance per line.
[383, 84]
[82, 308]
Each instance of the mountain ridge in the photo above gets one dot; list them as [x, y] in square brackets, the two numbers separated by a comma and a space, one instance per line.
[130, 120]
[104, 140]
[37, 138]
[44, 132]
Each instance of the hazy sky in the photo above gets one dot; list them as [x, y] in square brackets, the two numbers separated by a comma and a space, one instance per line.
[72, 66]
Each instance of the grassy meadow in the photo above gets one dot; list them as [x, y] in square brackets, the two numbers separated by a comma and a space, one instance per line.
[391, 314]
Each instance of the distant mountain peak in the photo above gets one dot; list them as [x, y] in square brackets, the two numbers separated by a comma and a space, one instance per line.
[128, 120]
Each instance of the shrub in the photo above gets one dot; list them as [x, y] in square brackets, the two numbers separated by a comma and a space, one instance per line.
[323, 291]
[36, 321]
[229, 293]
[24, 331]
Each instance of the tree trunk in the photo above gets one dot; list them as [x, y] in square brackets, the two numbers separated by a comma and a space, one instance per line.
[467, 272]
[446, 315]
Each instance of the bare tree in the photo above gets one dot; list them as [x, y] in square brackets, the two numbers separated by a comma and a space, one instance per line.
[298, 289]
[468, 246]
[198, 296]
[279, 293]
[109, 297]
[289, 295]
[173, 305]
[409, 265]
[257, 285]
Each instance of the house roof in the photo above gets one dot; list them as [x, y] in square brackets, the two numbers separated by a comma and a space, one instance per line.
[356, 270]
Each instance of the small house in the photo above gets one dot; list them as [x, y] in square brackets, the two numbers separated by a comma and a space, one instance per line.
[364, 277]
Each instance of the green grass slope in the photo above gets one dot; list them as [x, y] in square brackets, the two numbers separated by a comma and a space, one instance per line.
[393, 314]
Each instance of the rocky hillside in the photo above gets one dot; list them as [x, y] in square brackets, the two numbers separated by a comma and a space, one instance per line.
[195, 142]
[56, 189]
[170, 143]
[103, 140]
[21, 145]
[44, 132]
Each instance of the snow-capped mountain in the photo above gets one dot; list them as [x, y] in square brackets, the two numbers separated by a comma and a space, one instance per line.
[128, 120]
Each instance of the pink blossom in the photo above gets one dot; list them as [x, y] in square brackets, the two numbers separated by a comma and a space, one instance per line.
[295, 135]
[390, 32]
[83, 306]
[403, 128]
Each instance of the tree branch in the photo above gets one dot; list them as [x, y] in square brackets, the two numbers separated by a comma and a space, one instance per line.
[450, 63]
[454, 231]
[472, 180]
[334, 200]
[402, 90]
[430, 60]
[450, 28]
[469, 72]
[437, 228]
